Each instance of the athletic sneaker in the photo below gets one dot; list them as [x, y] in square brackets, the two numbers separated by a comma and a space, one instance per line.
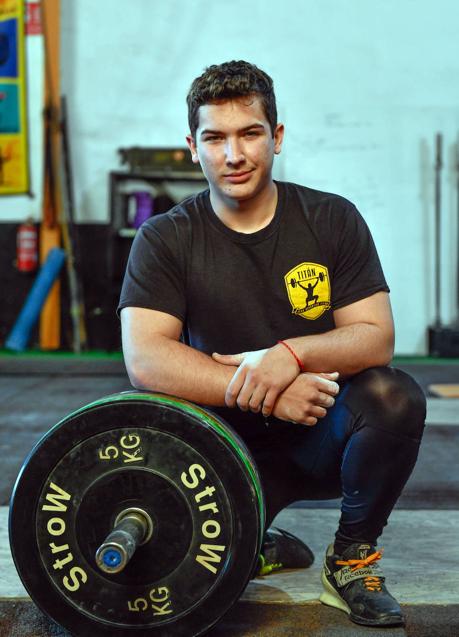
[280, 550]
[354, 583]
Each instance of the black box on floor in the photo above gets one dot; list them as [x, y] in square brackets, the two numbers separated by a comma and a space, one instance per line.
[444, 341]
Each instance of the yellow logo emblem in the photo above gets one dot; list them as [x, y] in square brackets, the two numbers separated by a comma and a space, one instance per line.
[308, 288]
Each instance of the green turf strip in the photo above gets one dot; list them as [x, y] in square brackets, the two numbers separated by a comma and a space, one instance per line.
[109, 356]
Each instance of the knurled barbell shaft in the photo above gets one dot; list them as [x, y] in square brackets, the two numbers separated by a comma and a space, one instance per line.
[129, 533]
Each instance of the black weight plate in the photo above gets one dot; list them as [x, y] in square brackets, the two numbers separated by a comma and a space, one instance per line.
[181, 464]
[169, 560]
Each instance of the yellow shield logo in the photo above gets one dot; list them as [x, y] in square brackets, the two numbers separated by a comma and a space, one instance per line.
[308, 288]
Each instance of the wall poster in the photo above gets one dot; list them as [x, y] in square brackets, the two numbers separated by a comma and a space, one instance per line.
[14, 161]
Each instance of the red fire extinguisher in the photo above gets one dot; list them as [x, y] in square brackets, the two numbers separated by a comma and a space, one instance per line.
[27, 247]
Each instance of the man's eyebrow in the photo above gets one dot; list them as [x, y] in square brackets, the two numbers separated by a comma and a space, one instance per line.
[209, 131]
[251, 127]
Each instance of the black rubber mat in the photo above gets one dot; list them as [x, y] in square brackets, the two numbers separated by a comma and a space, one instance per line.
[426, 373]
[30, 404]
[63, 365]
[434, 483]
[23, 619]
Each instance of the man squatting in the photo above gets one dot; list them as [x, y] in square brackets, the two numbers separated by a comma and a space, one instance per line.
[266, 302]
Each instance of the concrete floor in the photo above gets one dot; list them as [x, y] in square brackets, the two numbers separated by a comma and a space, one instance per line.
[421, 563]
[409, 575]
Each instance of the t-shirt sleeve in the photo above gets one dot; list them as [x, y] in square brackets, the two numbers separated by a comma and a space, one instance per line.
[154, 277]
[357, 271]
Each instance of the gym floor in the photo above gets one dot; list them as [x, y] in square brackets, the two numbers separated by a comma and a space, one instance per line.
[421, 558]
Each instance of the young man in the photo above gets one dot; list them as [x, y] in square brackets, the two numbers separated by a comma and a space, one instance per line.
[278, 292]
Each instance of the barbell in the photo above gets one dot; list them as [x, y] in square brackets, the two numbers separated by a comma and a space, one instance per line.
[138, 514]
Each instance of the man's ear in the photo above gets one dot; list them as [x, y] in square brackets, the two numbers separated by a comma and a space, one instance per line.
[192, 146]
[278, 138]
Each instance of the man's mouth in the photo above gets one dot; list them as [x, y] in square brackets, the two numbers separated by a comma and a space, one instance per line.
[238, 176]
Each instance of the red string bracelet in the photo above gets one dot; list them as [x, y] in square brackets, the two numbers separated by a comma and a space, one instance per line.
[300, 364]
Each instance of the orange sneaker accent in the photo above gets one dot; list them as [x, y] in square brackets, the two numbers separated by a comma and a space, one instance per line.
[372, 583]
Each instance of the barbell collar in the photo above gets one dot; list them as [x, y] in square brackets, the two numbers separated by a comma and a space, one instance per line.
[133, 527]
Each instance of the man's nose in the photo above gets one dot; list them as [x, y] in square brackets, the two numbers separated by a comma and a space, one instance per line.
[233, 151]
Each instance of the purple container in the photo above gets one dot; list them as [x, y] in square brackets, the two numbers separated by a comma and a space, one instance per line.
[144, 208]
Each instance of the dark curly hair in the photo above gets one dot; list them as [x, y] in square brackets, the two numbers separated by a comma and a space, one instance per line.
[229, 80]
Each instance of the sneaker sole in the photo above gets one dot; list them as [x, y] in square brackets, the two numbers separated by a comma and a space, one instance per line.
[330, 597]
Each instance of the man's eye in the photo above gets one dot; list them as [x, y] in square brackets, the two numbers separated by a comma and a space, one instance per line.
[252, 133]
[212, 138]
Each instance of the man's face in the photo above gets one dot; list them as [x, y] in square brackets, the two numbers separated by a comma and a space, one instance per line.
[235, 147]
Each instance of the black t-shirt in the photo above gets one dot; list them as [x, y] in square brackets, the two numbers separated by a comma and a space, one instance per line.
[237, 292]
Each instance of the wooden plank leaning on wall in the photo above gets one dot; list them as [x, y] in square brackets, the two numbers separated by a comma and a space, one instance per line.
[50, 235]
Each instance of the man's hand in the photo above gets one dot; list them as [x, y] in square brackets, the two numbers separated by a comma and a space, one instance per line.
[261, 376]
[307, 398]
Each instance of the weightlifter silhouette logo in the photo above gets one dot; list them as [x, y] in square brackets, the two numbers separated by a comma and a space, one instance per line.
[308, 288]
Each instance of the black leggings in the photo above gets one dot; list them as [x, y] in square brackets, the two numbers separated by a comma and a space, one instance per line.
[364, 451]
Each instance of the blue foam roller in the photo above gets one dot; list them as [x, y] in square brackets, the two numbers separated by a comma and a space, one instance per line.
[28, 316]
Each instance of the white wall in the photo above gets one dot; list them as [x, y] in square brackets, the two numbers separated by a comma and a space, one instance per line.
[362, 86]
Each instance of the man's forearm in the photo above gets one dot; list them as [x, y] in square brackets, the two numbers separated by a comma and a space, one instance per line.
[347, 350]
[173, 368]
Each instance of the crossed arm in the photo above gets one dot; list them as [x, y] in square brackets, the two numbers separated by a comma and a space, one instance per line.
[265, 380]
